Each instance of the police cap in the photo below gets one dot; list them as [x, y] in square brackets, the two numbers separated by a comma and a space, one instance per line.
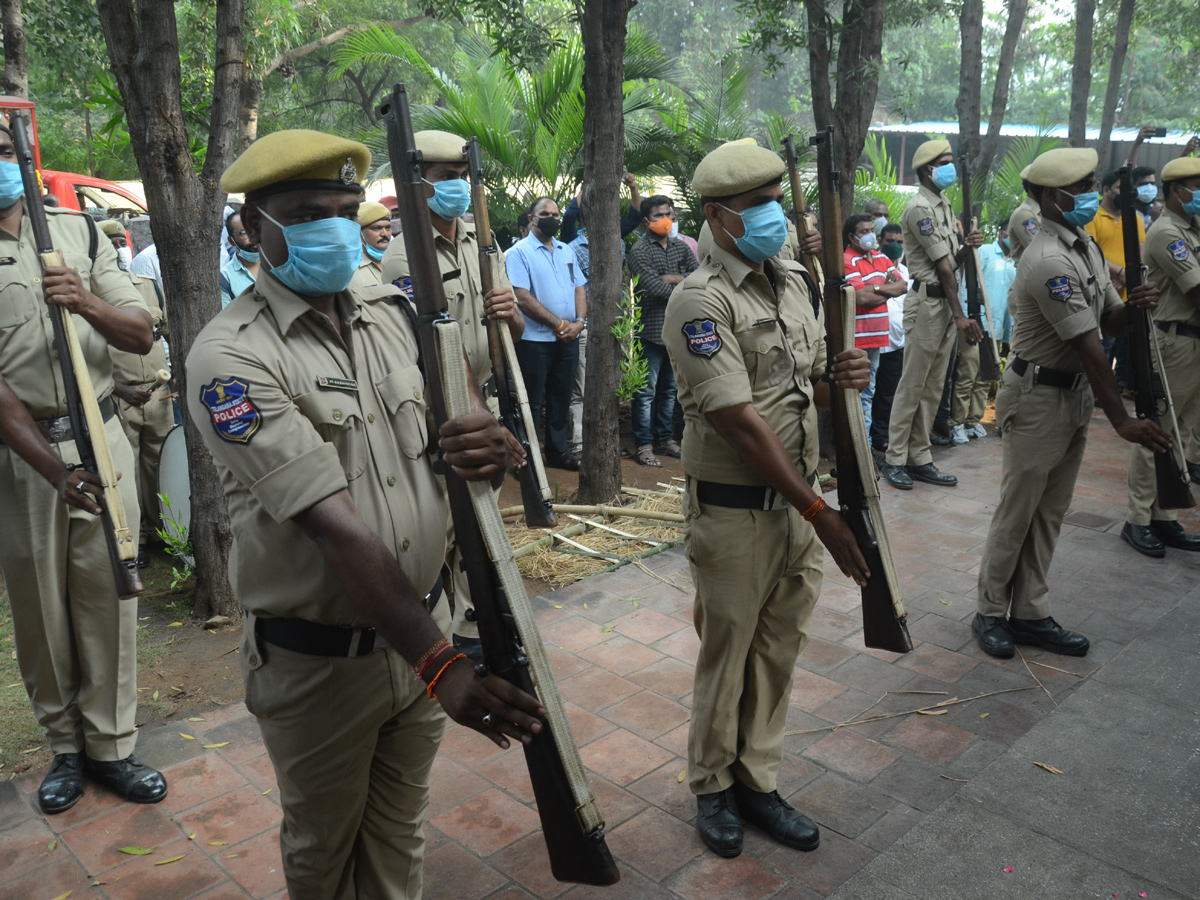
[440, 146]
[297, 160]
[371, 212]
[1184, 167]
[735, 168]
[1062, 166]
[111, 227]
[929, 151]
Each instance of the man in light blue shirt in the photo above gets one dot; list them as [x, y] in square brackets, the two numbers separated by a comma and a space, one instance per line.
[241, 271]
[549, 283]
[998, 271]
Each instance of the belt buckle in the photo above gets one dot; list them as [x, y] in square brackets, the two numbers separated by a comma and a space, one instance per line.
[1080, 379]
[58, 430]
[356, 639]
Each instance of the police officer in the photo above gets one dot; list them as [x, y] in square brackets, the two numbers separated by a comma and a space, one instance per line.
[75, 640]
[1024, 222]
[1044, 405]
[314, 408]
[933, 316]
[375, 224]
[747, 344]
[445, 171]
[1171, 247]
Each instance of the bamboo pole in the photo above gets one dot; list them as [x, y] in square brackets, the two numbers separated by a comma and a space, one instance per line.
[627, 512]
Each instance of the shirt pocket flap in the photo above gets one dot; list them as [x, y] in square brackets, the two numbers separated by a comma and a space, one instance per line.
[337, 420]
[17, 302]
[403, 394]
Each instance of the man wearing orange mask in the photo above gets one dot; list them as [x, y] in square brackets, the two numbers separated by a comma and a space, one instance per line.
[658, 261]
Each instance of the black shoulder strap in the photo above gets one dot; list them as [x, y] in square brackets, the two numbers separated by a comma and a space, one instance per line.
[93, 238]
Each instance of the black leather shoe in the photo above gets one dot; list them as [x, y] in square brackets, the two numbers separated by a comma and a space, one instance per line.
[930, 474]
[897, 477]
[129, 779]
[1049, 635]
[993, 636]
[1142, 539]
[938, 439]
[776, 817]
[1173, 535]
[719, 824]
[143, 557]
[63, 785]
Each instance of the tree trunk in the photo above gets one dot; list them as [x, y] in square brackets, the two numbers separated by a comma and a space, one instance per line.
[16, 65]
[1081, 72]
[603, 23]
[143, 46]
[1004, 69]
[1115, 67]
[252, 91]
[970, 78]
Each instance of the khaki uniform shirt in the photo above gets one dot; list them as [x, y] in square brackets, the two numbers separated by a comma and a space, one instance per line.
[929, 234]
[733, 338]
[28, 358]
[133, 368]
[292, 413]
[459, 264]
[1062, 290]
[368, 274]
[1023, 224]
[1171, 247]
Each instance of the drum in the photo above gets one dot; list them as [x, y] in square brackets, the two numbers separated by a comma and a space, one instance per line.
[174, 489]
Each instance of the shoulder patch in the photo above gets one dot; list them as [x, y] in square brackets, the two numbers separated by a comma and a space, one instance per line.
[405, 285]
[925, 226]
[1031, 226]
[1060, 287]
[1178, 250]
[702, 337]
[234, 416]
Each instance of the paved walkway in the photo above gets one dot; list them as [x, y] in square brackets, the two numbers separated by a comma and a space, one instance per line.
[910, 806]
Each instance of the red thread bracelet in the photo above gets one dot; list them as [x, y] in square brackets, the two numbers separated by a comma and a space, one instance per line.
[451, 661]
[815, 510]
[430, 656]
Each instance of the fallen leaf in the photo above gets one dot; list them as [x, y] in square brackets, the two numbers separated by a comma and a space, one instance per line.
[192, 836]
[933, 712]
[607, 628]
[946, 702]
[32, 750]
[960, 780]
[1050, 769]
[137, 851]
[216, 746]
[163, 862]
[67, 894]
[50, 846]
[558, 606]
[217, 843]
[154, 696]
[682, 775]
[985, 715]
[585, 606]
[940, 600]
[231, 856]
[267, 791]
[195, 719]
[175, 625]
[186, 736]
[143, 618]
[177, 689]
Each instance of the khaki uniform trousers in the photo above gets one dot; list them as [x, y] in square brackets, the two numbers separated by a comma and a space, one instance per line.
[758, 575]
[970, 391]
[928, 342]
[1045, 432]
[147, 427]
[352, 741]
[1181, 359]
[76, 642]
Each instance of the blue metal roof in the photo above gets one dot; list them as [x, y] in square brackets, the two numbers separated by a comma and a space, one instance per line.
[1015, 130]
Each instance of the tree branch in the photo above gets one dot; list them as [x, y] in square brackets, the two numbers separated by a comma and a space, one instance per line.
[1004, 69]
[332, 38]
[229, 67]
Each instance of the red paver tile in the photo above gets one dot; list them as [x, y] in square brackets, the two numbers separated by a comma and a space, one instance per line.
[891, 827]
[23, 847]
[511, 893]
[141, 879]
[230, 891]
[595, 688]
[575, 634]
[931, 740]
[871, 676]
[826, 867]
[468, 746]
[843, 598]
[655, 843]
[621, 655]
[830, 625]
[821, 656]
[647, 714]
[256, 865]
[851, 754]
[683, 645]
[510, 773]
[668, 677]
[487, 823]
[242, 737]
[451, 784]
[937, 662]
[586, 726]
[675, 740]
[841, 805]
[622, 757]
[219, 716]
[96, 802]
[709, 877]
[663, 790]
[53, 880]
[917, 783]
[199, 780]
[233, 817]
[647, 625]
[616, 804]
[811, 691]
[261, 773]
[528, 863]
[564, 664]
[632, 886]
[97, 844]
[1005, 722]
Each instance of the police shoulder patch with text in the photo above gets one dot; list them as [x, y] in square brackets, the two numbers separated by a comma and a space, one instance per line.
[702, 337]
[234, 416]
[1060, 287]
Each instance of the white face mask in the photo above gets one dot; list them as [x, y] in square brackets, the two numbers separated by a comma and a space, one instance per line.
[674, 232]
[124, 258]
[867, 241]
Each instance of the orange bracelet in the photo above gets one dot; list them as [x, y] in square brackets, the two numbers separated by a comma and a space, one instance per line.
[428, 657]
[815, 510]
[451, 661]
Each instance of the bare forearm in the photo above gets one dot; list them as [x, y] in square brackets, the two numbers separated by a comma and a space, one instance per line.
[128, 328]
[580, 304]
[1100, 375]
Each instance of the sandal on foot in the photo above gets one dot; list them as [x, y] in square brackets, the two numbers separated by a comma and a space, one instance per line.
[645, 457]
[671, 449]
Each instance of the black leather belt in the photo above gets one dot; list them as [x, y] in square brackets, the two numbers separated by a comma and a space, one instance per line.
[1069, 381]
[59, 430]
[931, 290]
[742, 496]
[303, 636]
[1189, 331]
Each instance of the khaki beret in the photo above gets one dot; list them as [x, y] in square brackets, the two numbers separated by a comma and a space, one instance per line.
[111, 227]
[1063, 166]
[735, 168]
[440, 146]
[1025, 172]
[297, 159]
[371, 212]
[1184, 167]
[929, 151]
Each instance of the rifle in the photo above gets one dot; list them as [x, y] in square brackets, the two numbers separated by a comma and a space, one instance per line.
[83, 410]
[512, 645]
[809, 261]
[885, 622]
[506, 381]
[977, 302]
[1152, 395]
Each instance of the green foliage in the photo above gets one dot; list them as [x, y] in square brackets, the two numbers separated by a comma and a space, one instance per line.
[177, 542]
[879, 179]
[1003, 192]
[625, 329]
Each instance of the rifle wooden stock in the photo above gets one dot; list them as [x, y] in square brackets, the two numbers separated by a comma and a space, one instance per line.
[506, 371]
[810, 262]
[1170, 468]
[512, 647]
[977, 305]
[885, 622]
[83, 410]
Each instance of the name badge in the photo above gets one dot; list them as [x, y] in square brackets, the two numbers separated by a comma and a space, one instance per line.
[8, 260]
[336, 384]
[451, 275]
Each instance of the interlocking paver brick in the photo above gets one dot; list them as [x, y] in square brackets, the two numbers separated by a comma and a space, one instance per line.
[656, 843]
[488, 822]
[623, 757]
[709, 878]
[647, 714]
[98, 844]
[851, 755]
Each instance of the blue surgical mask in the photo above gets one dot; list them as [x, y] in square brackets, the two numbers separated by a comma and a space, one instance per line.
[450, 198]
[246, 255]
[1192, 207]
[1086, 206]
[11, 186]
[374, 252]
[944, 176]
[322, 255]
[766, 231]
[1147, 192]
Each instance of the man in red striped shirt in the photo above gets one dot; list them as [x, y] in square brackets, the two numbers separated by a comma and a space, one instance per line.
[874, 279]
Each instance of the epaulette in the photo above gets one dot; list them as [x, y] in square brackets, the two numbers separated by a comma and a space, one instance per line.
[376, 292]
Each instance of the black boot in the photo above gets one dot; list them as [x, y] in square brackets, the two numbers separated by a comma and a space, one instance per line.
[1049, 635]
[1142, 539]
[993, 636]
[719, 823]
[129, 779]
[776, 817]
[63, 785]
[1172, 535]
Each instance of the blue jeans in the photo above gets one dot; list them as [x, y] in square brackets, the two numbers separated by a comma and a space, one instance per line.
[656, 400]
[549, 370]
[868, 396]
